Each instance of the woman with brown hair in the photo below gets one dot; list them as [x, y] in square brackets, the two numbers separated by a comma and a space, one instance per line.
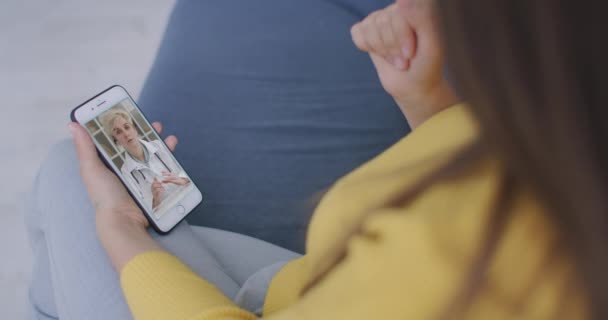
[491, 209]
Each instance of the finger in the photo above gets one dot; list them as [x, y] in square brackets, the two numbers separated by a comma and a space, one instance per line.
[356, 33]
[158, 127]
[372, 36]
[404, 34]
[390, 45]
[85, 149]
[171, 142]
[418, 13]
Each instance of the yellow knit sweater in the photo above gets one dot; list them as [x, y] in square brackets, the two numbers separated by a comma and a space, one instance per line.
[407, 263]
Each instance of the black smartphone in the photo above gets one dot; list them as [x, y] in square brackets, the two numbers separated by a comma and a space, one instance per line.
[128, 145]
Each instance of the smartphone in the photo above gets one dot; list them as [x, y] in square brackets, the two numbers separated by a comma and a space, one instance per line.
[129, 146]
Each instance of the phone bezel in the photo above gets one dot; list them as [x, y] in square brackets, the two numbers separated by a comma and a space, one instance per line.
[99, 104]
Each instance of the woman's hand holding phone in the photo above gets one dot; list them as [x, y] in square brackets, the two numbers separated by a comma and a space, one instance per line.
[121, 226]
[403, 43]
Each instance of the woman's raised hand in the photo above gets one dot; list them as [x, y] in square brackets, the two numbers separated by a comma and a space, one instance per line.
[403, 43]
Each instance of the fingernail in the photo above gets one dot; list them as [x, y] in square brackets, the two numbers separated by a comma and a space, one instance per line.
[406, 52]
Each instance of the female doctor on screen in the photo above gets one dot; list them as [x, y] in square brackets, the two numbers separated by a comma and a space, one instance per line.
[148, 166]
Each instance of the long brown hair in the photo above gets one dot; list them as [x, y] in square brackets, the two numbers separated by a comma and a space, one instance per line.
[532, 73]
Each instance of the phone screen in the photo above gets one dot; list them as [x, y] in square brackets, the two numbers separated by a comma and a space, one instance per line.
[146, 165]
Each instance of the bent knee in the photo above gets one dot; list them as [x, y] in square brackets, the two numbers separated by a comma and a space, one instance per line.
[60, 163]
[59, 176]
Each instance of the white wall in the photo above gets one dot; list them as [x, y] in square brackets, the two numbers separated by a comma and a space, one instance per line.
[53, 55]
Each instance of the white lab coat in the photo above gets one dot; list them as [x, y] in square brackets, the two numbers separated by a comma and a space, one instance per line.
[140, 177]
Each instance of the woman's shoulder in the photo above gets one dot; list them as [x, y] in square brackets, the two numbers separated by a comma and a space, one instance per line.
[449, 223]
[398, 168]
[439, 232]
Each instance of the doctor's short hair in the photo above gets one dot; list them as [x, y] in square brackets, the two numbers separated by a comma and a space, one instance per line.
[108, 118]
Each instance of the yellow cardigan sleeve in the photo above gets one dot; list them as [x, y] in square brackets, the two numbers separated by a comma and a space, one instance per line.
[284, 290]
[157, 285]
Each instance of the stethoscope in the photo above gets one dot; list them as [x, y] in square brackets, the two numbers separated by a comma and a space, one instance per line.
[143, 175]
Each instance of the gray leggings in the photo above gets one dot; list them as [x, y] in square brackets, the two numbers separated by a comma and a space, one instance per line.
[72, 277]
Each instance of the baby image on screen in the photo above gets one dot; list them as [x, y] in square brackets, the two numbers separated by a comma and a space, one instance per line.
[145, 163]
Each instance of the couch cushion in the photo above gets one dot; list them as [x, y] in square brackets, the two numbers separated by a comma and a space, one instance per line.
[271, 103]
